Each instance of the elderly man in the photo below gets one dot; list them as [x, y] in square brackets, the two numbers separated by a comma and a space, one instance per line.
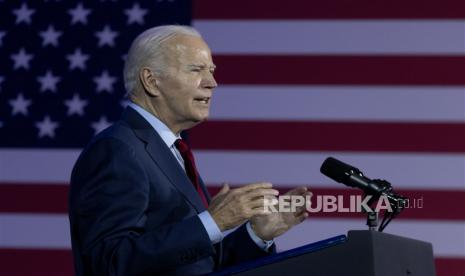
[137, 203]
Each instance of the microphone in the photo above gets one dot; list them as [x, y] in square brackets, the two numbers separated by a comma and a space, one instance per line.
[349, 175]
[353, 177]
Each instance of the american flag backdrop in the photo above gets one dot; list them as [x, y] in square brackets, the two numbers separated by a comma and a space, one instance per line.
[378, 84]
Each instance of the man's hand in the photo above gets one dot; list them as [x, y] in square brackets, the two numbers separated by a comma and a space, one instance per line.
[274, 224]
[232, 207]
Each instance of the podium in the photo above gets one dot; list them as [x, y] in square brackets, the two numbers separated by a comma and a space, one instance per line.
[360, 253]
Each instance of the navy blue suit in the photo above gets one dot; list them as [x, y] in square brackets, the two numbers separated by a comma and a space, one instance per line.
[133, 210]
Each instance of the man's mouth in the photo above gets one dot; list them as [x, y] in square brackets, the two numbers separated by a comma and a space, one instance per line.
[204, 100]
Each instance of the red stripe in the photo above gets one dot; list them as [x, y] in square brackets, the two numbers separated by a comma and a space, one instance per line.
[335, 9]
[450, 266]
[435, 204]
[356, 70]
[34, 198]
[35, 262]
[329, 136]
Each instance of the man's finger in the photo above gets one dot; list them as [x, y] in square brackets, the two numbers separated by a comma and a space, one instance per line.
[298, 191]
[300, 212]
[225, 189]
[251, 187]
[259, 212]
[302, 217]
[261, 193]
[261, 202]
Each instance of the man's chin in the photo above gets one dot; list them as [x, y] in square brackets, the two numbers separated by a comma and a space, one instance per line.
[202, 117]
[201, 120]
[198, 120]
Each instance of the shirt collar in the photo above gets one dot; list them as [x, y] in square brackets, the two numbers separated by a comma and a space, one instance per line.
[165, 133]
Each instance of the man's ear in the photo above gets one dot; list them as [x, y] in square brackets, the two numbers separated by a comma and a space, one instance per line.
[149, 81]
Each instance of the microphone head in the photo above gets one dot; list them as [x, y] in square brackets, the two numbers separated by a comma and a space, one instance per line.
[336, 170]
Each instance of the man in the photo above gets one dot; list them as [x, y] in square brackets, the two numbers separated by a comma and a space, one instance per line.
[137, 204]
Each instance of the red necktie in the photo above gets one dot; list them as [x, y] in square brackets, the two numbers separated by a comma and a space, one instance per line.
[191, 170]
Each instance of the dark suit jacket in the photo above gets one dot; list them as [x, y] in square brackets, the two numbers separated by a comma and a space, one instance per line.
[133, 210]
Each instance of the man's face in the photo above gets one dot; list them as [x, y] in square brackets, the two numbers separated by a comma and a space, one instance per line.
[186, 88]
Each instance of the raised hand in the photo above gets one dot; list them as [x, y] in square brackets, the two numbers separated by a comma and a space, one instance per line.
[271, 225]
[232, 207]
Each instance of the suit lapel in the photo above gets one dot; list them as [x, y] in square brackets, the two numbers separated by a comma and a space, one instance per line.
[163, 158]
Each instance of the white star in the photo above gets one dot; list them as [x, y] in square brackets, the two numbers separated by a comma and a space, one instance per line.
[100, 125]
[23, 14]
[77, 60]
[106, 37]
[46, 127]
[135, 14]
[79, 14]
[50, 36]
[20, 105]
[75, 105]
[2, 34]
[105, 82]
[48, 82]
[21, 59]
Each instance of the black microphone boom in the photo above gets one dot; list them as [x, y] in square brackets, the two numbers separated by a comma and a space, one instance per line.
[348, 175]
[353, 177]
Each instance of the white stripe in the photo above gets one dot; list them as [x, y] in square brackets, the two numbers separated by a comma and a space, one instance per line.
[448, 238]
[26, 165]
[339, 103]
[34, 231]
[361, 37]
[52, 231]
[420, 171]
[405, 170]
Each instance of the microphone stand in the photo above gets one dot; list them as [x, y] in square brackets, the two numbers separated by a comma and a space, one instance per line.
[372, 220]
[396, 202]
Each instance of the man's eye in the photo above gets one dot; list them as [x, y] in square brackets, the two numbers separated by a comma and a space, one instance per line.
[196, 69]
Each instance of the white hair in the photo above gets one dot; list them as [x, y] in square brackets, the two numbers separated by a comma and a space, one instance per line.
[147, 50]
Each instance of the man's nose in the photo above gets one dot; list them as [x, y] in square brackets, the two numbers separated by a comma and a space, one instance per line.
[208, 81]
